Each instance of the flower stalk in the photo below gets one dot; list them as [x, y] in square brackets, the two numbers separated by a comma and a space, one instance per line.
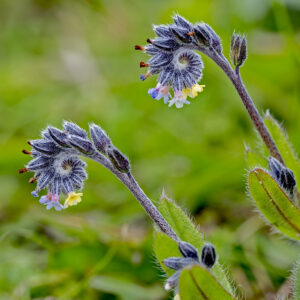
[129, 181]
[56, 162]
[174, 58]
[235, 77]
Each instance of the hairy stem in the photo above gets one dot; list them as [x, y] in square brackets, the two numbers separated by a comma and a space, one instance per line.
[130, 182]
[235, 77]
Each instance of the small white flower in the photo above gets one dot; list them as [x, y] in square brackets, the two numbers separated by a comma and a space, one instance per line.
[179, 99]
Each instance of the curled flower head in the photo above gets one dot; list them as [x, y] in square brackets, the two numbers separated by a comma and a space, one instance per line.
[56, 163]
[174, 59]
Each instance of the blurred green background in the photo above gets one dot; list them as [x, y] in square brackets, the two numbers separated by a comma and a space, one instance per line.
[74, 60]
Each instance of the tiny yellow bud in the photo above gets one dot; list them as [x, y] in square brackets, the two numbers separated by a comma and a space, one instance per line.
[193, 91]
[73, 199]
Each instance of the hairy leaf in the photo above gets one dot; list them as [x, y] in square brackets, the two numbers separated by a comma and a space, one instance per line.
[199, 283]
[186, 230]
[165, 247]
[275, 205]
[296, 276]
[284, 146]
[254, 159]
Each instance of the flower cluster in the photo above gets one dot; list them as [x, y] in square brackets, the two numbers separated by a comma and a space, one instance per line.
[57, 165]
[174, 59]
[238, 50]
[190, 257]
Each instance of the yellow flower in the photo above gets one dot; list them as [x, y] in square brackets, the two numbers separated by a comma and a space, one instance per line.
[193, 91]
[73, 199]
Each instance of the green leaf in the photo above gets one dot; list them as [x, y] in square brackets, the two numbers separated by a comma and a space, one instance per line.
[125, 289]
[186, 230]
[296, 276]
[275, 205]
[254, 159]
[284, 146]
[199, 283]
[165, 247]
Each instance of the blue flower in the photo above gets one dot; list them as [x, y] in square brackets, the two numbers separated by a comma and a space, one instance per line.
[51, 200]
[160, 92]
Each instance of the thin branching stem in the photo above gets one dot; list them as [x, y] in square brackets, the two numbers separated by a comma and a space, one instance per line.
[129, 181]
[235, 77]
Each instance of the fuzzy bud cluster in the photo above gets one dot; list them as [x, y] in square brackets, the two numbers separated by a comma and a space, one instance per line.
[190, 257]
[104, 145]
[238, 51]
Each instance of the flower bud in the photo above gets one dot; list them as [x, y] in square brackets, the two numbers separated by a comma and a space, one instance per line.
[284, 176]
[188, 250]
[166, 44]
[74, 129]
[162, 31]
[202, 35]
[118, 159]
[177, 263]
[82, 145]
[172, 281]
[58, 136]
[46, 147]
[181, 34]
[215, 39]
[100, 140]
[208, 255]
[238, 52]
[182, 22]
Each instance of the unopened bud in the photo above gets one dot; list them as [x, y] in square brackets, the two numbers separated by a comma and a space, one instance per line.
[202, 35]
[82, 145]
[238, 52]
[74, 129]
[188, 250]
[46, 147]
[284, 176]
[100, 140]
[58, 136]
[182, 22]
[177, 263]
[181, 34]
[118, 159]
[172, 281]
[208, 255]
[215, 39]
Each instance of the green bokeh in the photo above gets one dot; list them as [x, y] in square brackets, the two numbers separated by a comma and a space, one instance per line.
[74, 60]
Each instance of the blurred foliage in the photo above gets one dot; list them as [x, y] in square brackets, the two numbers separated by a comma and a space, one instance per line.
[74, 60]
